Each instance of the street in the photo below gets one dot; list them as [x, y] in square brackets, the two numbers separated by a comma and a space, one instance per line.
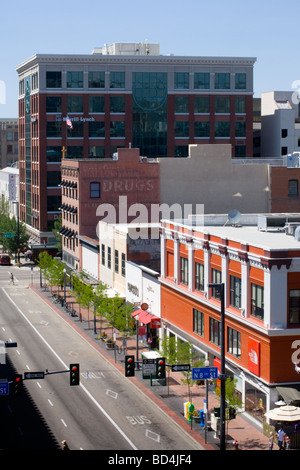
[106, 411]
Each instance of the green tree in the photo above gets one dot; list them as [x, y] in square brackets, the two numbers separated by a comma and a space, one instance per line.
[58, 237]
[7, 224]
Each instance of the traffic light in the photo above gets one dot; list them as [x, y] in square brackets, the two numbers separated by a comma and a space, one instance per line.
[129, 366]
[161, 368]
[74, 374]
[17, 384]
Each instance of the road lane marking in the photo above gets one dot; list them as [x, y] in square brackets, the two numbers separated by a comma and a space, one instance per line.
[67, 368]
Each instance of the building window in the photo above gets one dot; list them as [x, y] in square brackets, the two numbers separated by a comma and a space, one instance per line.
[53, 104]
[117, 104]
[181, 81]
[202, 80]
[201, 105]
[234, 342]
[53, 79]
[240, 81]
[184, 273]
[95, 190]
[109, 257]
[53, 154]
[240, 129]
[74, 79]
[116, 261]
[97, 129]
[181, 151]
[222, 129]
[293, 187]
[123, 265]
[222, 81]
[214, 331]
[75, 151]
[240, 105]
[216, 278]
[284, 133]
[117, 80]
[117, 129]
[181, 104]
[96, 104]
[257, 301]
[103, 254]
[198, 322]
[96, 80]
[96, 151]
[284, 151]
[294, 306]
[235, 291]
[77, 130]
[53, 129]
[240, 151]
[222, 105]
[75, 104]
[182, 129]
[199, 276]
[201, 129]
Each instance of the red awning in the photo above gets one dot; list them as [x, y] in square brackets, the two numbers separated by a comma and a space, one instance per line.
[144, 317]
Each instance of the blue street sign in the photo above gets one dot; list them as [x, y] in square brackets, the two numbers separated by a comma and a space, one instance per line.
[204, 373]
[4, 387]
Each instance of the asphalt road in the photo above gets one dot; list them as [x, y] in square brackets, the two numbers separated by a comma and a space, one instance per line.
[105, 412]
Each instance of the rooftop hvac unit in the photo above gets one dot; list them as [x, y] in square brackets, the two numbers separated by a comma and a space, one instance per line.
[293, 160]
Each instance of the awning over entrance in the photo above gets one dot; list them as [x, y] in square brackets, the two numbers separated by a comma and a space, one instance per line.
[289, 394]
[146, 317]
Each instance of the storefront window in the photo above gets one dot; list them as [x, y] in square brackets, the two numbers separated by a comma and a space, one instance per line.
[255, 401]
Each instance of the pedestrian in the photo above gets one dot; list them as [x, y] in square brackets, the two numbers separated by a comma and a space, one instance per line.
[271, 441]
[280, 436]
[287, 442]
[236, 445]
[64, 445]
[12, 280]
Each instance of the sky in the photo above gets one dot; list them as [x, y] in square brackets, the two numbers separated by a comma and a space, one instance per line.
[267, 30]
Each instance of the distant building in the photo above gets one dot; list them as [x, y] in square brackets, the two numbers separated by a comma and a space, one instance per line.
[8, 142]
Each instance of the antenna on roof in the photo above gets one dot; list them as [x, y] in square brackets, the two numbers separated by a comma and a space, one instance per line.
[233, 217]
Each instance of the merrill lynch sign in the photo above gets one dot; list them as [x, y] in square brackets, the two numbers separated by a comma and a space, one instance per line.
[76, 119]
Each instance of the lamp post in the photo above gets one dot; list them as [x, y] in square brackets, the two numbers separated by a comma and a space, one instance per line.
[206, 364]
[64, 287]
[137, 342]
[222, 376]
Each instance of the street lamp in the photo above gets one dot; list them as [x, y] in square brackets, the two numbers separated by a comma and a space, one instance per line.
[206, 364]
[65, 287]
[137, 342]
[222, 376]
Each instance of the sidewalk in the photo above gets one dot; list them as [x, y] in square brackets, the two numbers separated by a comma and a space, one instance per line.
[169, 398]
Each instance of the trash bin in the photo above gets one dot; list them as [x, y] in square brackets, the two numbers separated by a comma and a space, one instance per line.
[202, 418]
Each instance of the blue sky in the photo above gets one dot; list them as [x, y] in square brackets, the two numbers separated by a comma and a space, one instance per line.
[263, 29]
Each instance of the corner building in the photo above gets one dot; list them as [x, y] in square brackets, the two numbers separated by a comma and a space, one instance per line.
[120, 96]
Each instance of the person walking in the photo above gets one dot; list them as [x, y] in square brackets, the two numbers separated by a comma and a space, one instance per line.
[12, 280]
[64, 445]
[271, 440]
[280, 436]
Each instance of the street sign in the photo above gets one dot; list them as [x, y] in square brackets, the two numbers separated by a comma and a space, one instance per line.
[4, 387]
[149, 366]
[9, 235]
[34, 375]
[180, 367]
[204, 373]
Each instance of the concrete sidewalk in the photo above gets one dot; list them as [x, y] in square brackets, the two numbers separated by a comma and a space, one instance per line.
[169, 398]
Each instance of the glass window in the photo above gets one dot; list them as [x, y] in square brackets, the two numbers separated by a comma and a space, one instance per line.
[222, 105]
[216, 278]
[53, 129]
[222, 81]
[214, 331]
[117, 104]
[240, 81]
[235, 291]
[95, 189]
[198, 322]
[96, 151]
[102, 254]
[240, 105]
[77, 130]
[240, 151]
[74, 79]
[257, 301]
[184, 275]
[53, 104]
[117, 129]
[201, 104]
[202, 129]
[53, 154]
[293, 187]
[294, 306]
[181, 104]
[97, 129]
[53, 79]
[222, 129]
[96, 79]
[74, 151]
[199, 276]
[181, 80]
[202, 80]
[240, 129]
[109, 257]
[123, 264]
[117, 80]
[96, 104]
[181, 151]
[53, 178]
[234, 342]
[182, 129]
[75, 104]
[53, 203]
[116, 261]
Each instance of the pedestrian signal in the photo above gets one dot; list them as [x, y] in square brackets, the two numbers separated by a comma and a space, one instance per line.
[17, 384]
[74, 374]
[161, 368]
[129, 366]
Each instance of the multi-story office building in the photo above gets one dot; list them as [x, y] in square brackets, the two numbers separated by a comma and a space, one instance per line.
[8, 142]
[120, 96]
